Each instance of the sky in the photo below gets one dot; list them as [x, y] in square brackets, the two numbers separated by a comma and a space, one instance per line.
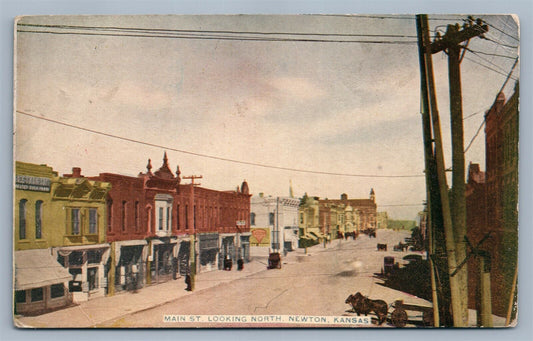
[218, 106]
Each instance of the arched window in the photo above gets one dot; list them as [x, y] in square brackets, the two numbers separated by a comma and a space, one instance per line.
[38, 219]
[22, 218]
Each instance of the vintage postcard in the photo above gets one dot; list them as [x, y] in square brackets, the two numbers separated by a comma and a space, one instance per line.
[261, 171]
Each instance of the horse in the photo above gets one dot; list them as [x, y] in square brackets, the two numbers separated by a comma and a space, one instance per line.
[364, 305]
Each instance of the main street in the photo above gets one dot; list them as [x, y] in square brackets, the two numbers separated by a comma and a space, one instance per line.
[316, 283]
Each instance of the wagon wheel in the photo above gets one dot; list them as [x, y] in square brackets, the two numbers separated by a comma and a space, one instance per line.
[399, 317]
[427, 318]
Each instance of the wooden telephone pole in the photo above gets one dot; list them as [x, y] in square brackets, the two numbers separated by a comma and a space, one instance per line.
[450, 43]
[191, 217]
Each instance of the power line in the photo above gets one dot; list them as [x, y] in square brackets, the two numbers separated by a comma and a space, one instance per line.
[211, 156]
[490, 54]
[162, 30]
[224, 38]
[489, 68]
[499, 43]
[497, 94]
[501, 31]
[486, 60]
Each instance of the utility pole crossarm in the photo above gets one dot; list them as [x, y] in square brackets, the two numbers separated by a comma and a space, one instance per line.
[454, 37]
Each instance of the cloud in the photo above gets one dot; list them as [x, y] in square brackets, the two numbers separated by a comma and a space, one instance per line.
[296, 88]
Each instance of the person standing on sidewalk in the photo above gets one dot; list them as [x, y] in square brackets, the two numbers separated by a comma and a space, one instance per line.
[188, 281]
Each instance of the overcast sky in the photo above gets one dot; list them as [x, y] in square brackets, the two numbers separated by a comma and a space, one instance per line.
[332, 107]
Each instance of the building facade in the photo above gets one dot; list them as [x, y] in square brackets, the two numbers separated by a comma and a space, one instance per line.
[277, 216]
[492, 206]
[152, 217]
[59, 238]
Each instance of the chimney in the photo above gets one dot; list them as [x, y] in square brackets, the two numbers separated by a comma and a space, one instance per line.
[76, 172]
[344, 196]
[261, 194]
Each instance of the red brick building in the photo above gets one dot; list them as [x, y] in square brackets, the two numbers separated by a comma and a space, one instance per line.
[367, 209]
[492, 205]
[151, 217]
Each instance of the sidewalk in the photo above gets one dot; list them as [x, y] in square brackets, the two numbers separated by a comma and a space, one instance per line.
[96, 311]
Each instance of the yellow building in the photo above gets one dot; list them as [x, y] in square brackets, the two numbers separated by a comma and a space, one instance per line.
[62, 219]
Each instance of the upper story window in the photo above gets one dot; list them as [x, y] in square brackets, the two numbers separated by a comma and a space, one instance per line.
[38, 219]
[109, 214]
[252, 219]
[271, 218]
[22, 218]
[75, 221]
[93, 221]
[137, 216]
[163, 204]
[124, 206]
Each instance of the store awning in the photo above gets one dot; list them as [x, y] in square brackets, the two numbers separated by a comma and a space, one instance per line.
[310, 236]
[38, 268]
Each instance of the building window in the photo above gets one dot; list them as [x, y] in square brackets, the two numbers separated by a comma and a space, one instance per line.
[75, 221]
[252, 219]
[38, 219]
[57, 290]
[20, 296]
[109, 214]
[37, 294]
[93, 221]
[22, 219]
[178, 216]
[136, 216]
[271, 218]
[187, 217]
[301, 218]
[160, 225]
[124, 203]
[168, 218]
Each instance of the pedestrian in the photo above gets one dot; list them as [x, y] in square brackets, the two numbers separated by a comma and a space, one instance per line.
[240, 264]
[188, 281]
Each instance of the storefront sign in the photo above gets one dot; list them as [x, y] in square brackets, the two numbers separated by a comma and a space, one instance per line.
[32, 183]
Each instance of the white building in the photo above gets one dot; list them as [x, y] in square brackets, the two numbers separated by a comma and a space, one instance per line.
[280, 216]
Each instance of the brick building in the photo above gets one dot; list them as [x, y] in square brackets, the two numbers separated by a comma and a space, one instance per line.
[152, 216]
[492, 205]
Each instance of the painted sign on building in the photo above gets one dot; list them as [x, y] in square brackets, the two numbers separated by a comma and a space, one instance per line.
[32, 183]
[260, 236]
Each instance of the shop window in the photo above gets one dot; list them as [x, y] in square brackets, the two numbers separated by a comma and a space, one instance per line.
[38, 219]
[94, 257]
[22, 219]
[92, 278]
[37, 294]
[20, 296]
[93, 221]
[75, 221]
[57, 290]
[75, 258]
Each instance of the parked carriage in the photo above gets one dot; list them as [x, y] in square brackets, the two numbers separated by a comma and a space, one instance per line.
[399, 316]
[274, 260]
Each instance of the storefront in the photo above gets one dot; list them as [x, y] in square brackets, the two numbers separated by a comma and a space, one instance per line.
[244, 248]
[86, 265]
[227, 250]
[41, 283]
[208, 247]
[130, 264]
[184, 255]
[163, 266]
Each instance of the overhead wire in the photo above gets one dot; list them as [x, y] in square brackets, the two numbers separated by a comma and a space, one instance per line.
[215, 157]
[497, 94]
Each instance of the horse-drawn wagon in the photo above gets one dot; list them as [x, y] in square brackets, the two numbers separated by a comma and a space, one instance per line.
[274, 260]
[399, 316]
